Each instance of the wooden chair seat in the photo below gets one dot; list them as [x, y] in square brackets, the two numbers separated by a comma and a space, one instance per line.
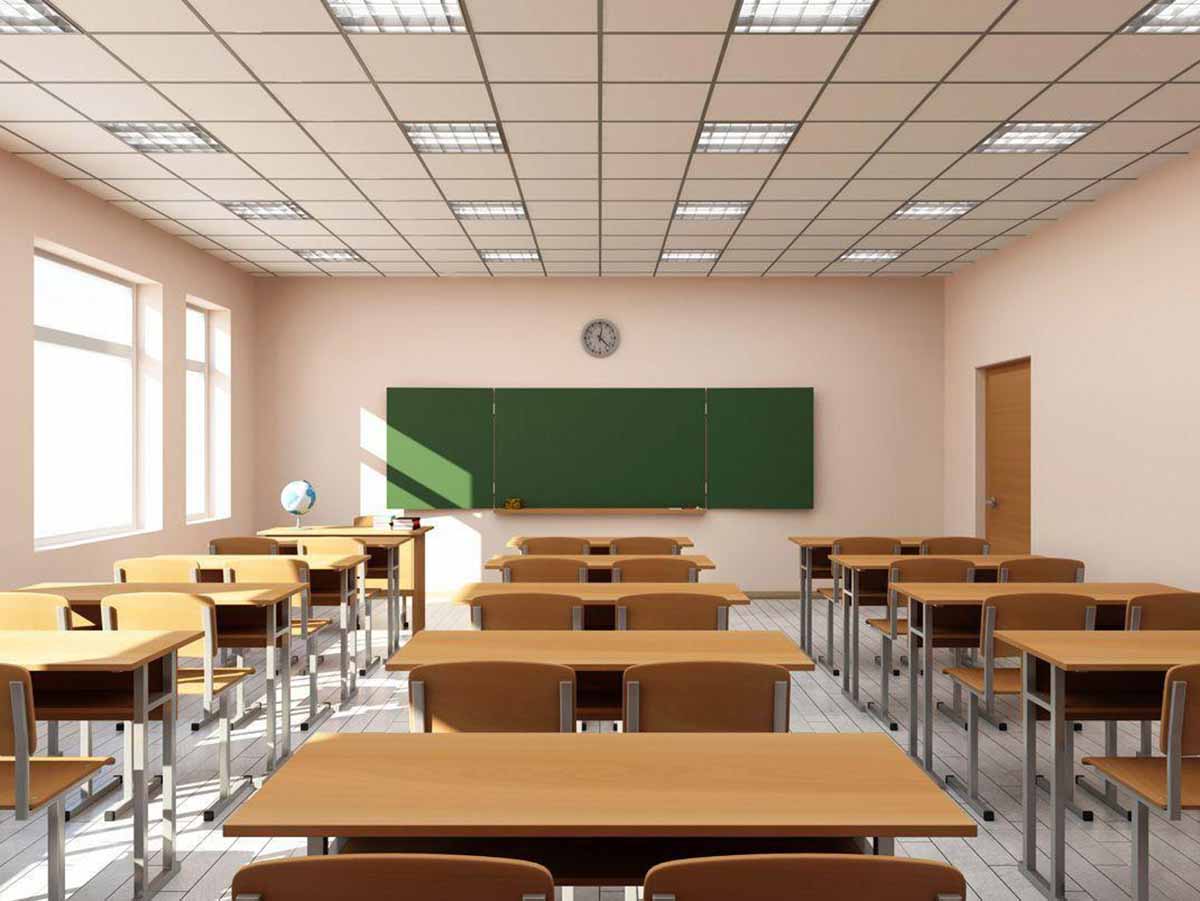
[49, 777]
[190, 682]
[1147, 776]
[826, 594]
[315, 625]
[884, 625]
[1006, 680]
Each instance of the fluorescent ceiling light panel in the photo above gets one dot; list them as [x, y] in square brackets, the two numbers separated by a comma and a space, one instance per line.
[869, 256]
[33, 17]
[711, 209]
[690, 256]
[454, 137]
[509, 256]
[1035, 137]
[804, 16]
[1172, 17]
[165, 137]
[488, 209]
[934, 209]
[393, 16]
[266, 209]
[745, 137]
[333, 255]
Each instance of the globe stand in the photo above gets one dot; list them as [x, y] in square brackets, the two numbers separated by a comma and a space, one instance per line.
[297, 522]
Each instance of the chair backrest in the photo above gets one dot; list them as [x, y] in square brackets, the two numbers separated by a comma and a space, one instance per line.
[1188, 724]
[655, 569]
[491, 696]
[543, 612]
[544, 569]
[33, 610]
[331, 544]
[437, 877]
[243, 544]
[706, 696]
[10, 674]
[1041, 569]
[866, 545]
[155, 569]
[283, 568]
[672, 611]
[1163, 611]
[165, 610]
[648, 544]
[1035, 610]
[364, 522]
[955, 545]
[804, 877]
[555, 544]
[931, 569]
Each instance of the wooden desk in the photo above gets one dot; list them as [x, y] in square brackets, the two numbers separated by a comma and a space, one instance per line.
[597, 564]
[599, 594]
[387, 540]
[600, 544]
[122, 675]
[1052, 663]
[607, 792]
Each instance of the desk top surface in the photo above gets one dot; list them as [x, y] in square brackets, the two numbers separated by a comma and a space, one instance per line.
[604, 541]
[122, 650]
[573, 785]
[946, 594]
[600, 561]
[601, 592]
[1105, 650]
[599, 649]
[371, 537]
[317, 562]
[884, 561]
[828, 540]
[223, 594]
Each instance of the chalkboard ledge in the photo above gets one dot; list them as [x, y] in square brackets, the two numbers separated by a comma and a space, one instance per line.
[602, 511]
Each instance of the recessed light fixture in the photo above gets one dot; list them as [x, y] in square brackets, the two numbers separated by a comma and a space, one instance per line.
[1171, 17]
[745, 137]
[869, 256]
[711, 209]
[806, 16]
[419, 17]
[266, 209]
[509, 256]
[454, 137]
[934, 209]
[333, 255]
[33, 17]
[1035, 137]
[488, 209]
[690, 256]
[165, 137]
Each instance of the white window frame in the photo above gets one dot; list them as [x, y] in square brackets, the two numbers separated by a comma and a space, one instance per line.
[206, 368]
[96, 345]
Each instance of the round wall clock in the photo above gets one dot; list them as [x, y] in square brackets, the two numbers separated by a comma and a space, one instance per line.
[601, 338]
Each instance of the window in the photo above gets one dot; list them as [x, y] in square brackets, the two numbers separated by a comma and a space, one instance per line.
[85, 404]
[197, 405]
[207, 410]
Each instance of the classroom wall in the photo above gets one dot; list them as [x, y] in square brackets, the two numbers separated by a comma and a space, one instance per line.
[872, 348]
[37, 206]
[1105, 303]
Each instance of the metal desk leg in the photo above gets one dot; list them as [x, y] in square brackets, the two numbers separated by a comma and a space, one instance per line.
[1061, 775]
[364, 601]
[285, 660]
[1029, 829]
[271, 663]
[348, 676]
[855, 582]
[914, 634]
[1140, 860]
[830, 663]
[839, 592]
[927, 700]
[170, 713]
[805, 601]
[141, 807]
[418, 603]
[1106, 794]
[393, 605]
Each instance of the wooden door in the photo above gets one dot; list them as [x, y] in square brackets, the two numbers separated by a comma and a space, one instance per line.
[1006, 398]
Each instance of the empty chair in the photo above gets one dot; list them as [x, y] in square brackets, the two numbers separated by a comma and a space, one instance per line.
[955, 545]
[645, 545]
[1157, 612]
[706, 696]
[555, 545]
[804, 877]
[243, 544]
[377, 568]
[343, 546]
[532, 611]
[364, 522]
[34, 610]
[172, 611]
[1170, 783]
[871, 590]
[29, 783]
[544, 569]
[156, 569]
[655, 569]
[491, 696]
[674, 610]
[1041, 569]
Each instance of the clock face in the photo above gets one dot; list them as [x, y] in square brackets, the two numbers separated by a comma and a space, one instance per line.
[601, 338]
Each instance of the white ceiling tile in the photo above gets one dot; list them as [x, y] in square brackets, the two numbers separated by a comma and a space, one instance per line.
[907, 165]
[230, 228]
[534, 15]
[640, 189]
[292, 165]
[841, 137]
[1046, 189]
[297, 57]
[648, 137]
[556, 165]
[961, 189]
[176, 57]
[341, 209]
[1188, 142]
[704, 227]
[661, 57]
[52, 164]
[881, 189]
[1081, 102]
[1070, 15]
[265, 15]
[1130, 137]
[325, 102]
[311, 188]
[770, 102]
[152, 189]
[380, 165]
[800, 189]
[203, 165]
[468, 165]
[1007, 209]
[781, 57]
[287, 228]
[1148, 164]
[1082, 165]
[75, 58]
[639, 227]
[130, 15]
[975, 102]
[418, 189]
[192, 209]
[732, 165]
[645, 165]
[485, 228]
[539, 57]
[567, 232]
[819, 165]
[29, 102]
[934, 15]
[69, 137]
[551, 137]
[225, 102]
[238, 189]
[995, 165]
[654, 101]
[359, 137]
[262, 137]
[99, 188]
[721, 188]
[419, 57]
[450, 102]
[1139, 57]
[118, 102]
[1023, 57]
[14, 144]
[785, 210]
[908, 57]
[1170, 102]
[543, 102]
[868, 102]
[117, 165]
[668, 15]
[938, 137]
[421, 210]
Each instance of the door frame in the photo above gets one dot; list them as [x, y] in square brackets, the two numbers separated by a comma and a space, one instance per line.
[981, 373]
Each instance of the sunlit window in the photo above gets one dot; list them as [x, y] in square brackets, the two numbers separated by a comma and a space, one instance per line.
[197, 343]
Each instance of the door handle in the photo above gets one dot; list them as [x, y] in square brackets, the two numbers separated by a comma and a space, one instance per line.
[991, 503]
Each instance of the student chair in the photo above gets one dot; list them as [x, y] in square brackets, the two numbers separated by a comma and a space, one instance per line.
[366, 595]
[491, 696]
[377, 569]
[532, 611]
[872, 591]
[655, 569]
[438, 877]
[1170, 783]
[172, 611]
[28, 783]
[544, 569]
[706, 696]
[983, 684]
[952, 546]
[156, 569]
[1041, 569]
[243, 544]
[555, 545]
[672, 611]
[645, 545]
[892, 628]
[804, 877]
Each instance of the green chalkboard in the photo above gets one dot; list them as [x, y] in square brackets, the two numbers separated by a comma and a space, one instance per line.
[600, 447]
[439, 448]
[760, 448]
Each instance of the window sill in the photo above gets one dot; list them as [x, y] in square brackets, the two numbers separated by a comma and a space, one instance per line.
[204, 520]
[54, 544]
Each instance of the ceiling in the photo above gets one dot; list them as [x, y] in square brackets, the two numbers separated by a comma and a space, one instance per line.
[600, 104]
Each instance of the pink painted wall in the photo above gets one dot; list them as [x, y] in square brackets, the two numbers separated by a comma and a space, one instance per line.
[38, 206]
[1107, 306]
[871, 348]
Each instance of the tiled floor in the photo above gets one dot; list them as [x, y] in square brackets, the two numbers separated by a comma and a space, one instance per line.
[1097, 854]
